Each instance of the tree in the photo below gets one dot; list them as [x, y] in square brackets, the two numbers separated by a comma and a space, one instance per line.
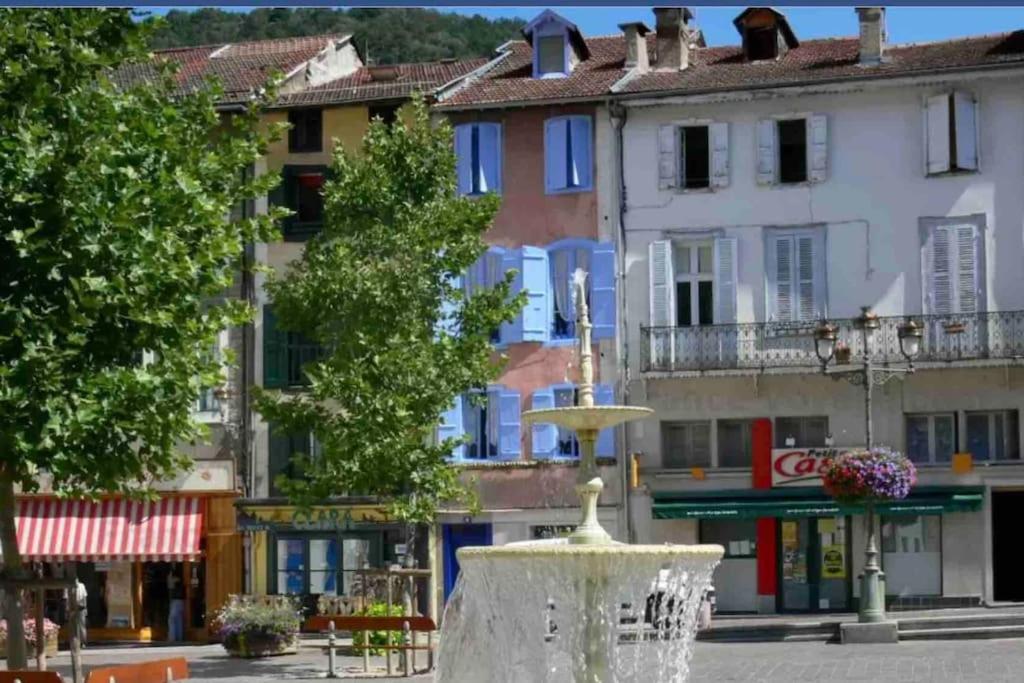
[115, 243]
[379, 291]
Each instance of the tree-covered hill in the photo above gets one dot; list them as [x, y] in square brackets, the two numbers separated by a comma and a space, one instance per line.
[385, 36]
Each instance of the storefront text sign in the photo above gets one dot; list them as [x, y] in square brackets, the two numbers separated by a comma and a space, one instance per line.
[317, 519]
[801, 466]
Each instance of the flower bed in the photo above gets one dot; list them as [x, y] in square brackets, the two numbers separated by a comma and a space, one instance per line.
[866, 476]
[50, 633]
[251, 627]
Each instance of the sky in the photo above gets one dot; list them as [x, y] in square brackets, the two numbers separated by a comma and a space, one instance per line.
[905, 24]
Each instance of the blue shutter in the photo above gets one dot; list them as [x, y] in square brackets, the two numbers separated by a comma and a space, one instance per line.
[536, 281]
[447, 320]
[512, 332]
[490, 157]
[582, 151]
[464, 157]
[602, 290]
[545, 435]
[451, 427]
[509, 446]
[604, 395]
[554, 154]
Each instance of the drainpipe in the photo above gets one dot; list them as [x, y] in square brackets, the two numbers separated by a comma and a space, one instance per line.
[618, 114]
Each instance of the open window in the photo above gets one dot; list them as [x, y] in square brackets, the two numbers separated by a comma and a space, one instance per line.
[568, 154]
[951, 126]
[693, 156]
[487, 422]
[792, 149]
[478, 157]
[307, 130]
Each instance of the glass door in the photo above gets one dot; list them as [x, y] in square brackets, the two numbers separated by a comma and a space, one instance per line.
[814, 557]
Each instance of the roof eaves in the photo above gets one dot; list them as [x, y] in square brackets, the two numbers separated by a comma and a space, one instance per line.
[520, 104]
[456, 86]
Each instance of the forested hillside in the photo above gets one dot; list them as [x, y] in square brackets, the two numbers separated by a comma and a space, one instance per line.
[386, 36]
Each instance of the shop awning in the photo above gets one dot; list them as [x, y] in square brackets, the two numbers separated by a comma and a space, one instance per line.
[61, 530]
[743, 505]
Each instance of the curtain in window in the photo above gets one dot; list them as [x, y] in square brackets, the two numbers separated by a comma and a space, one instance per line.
[565, 264]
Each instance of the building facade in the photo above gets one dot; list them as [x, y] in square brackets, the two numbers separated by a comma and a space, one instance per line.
[779, 183]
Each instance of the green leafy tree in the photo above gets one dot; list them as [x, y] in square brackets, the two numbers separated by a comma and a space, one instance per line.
[116, 244]
[379, 291]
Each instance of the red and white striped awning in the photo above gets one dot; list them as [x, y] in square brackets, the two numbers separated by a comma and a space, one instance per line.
[61, 530]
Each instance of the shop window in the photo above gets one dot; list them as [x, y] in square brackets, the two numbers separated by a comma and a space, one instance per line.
[323, 565]
[686, 444]
[801, 432]
[735, 443]
[912, 555]
[737, 536]
[931, 438]
[993, 435]
[307, 131]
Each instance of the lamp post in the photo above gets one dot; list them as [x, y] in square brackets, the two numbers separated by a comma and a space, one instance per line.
[872, 603]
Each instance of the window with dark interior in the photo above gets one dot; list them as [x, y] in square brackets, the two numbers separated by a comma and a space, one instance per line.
[792, 151]
[306, 133]
[762, 43]
[694, 284]
[686, 444]
[388, 113]
[806, 432]
[309, 202]
[735, 443]
[696, 161]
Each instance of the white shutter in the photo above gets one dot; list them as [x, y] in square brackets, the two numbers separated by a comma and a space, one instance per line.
[766, 133]
[817, 147]
[780, 278]
[719, 134]
[967, 285]
[725, 280]
[806, 278]
[663, 285]
[940, 290]
[668, 156]
[966, 122]
[937, 134]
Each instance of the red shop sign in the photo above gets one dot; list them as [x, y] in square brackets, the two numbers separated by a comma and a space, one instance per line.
[801, 466]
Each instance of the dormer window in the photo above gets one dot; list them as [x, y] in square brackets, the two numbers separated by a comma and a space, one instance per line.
[557, 45]
[765, 32]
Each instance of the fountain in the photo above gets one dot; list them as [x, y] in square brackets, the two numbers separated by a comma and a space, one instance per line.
[584, 609]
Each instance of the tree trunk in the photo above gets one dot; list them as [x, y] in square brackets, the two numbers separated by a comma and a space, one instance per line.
[14, 612]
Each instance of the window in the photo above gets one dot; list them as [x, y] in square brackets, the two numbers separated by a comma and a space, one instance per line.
[551, 55]
[694, 283]
[480, 423]
[912, 555]
[796, 274]
[951, 125]
[553, 441]
[388, 113]
[696, 160]
[287, 451]
[285, 354]
[478, 157]
[306, 133]
[568, 446]
[686, 444]
[993, 435]
[301, 190]
[737, 536]
[485, 274]
[762, 43]
[568, 154]
[487, 422]
[208, 405]
[793, 151]
[735, 443]
[805, 432]
[952, 257]
[322, 565]
[931, 438]
[564, 263]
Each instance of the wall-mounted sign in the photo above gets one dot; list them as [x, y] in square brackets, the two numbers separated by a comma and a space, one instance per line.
[316, 519]
[833, 563]
[801, 466]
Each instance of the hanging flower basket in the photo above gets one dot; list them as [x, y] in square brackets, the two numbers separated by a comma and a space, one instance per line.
[869, 476]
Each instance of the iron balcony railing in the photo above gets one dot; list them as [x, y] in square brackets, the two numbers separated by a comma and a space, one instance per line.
[760, 346]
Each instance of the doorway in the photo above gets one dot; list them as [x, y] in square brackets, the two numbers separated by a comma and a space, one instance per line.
[1007, 511]
[814, 557]
[455, 536]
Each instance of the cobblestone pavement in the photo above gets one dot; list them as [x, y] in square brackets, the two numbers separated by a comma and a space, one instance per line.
[928, 661]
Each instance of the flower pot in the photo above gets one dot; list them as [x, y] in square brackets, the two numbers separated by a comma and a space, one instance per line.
[254, 645]
[843, 355]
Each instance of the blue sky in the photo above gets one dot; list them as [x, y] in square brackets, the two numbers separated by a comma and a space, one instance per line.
[905, 24]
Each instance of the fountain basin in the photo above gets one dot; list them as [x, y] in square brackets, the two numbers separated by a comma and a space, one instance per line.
[587, 417]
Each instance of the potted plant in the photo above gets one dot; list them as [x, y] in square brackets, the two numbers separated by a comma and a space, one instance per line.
[842, 353]
[50, 634]
[259, 628]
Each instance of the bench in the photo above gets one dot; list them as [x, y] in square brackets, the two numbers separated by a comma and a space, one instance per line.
[416, 624]
[157, 671]
[30, 677]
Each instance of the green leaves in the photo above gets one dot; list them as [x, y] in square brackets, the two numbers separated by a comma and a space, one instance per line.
[371, 290]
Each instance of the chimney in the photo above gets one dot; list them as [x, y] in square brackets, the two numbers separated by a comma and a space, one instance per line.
[673, 44]
[872, 35]
[636, 45]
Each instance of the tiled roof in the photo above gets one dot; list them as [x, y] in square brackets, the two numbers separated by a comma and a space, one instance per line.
[724, 68]
[241, 67]
[361, 85]
[511, 80]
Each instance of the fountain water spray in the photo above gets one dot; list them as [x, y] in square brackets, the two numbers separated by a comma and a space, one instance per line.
[585, 609]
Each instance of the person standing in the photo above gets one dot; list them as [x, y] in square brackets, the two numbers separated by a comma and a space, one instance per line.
[176, 614]
[78, 597]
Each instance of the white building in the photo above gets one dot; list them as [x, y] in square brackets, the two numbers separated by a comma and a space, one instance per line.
[768, 186]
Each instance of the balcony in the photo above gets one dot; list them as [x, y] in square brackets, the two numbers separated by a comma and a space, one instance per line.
[757, 347]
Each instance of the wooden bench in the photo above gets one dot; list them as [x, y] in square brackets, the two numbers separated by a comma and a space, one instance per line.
[30, 677]
[158, 671]
[416, 624]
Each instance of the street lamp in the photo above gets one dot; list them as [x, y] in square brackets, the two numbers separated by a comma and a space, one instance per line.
[872, 604]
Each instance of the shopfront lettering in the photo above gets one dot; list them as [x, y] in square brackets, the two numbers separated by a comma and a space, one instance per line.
[331, 519]
[801, 466]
